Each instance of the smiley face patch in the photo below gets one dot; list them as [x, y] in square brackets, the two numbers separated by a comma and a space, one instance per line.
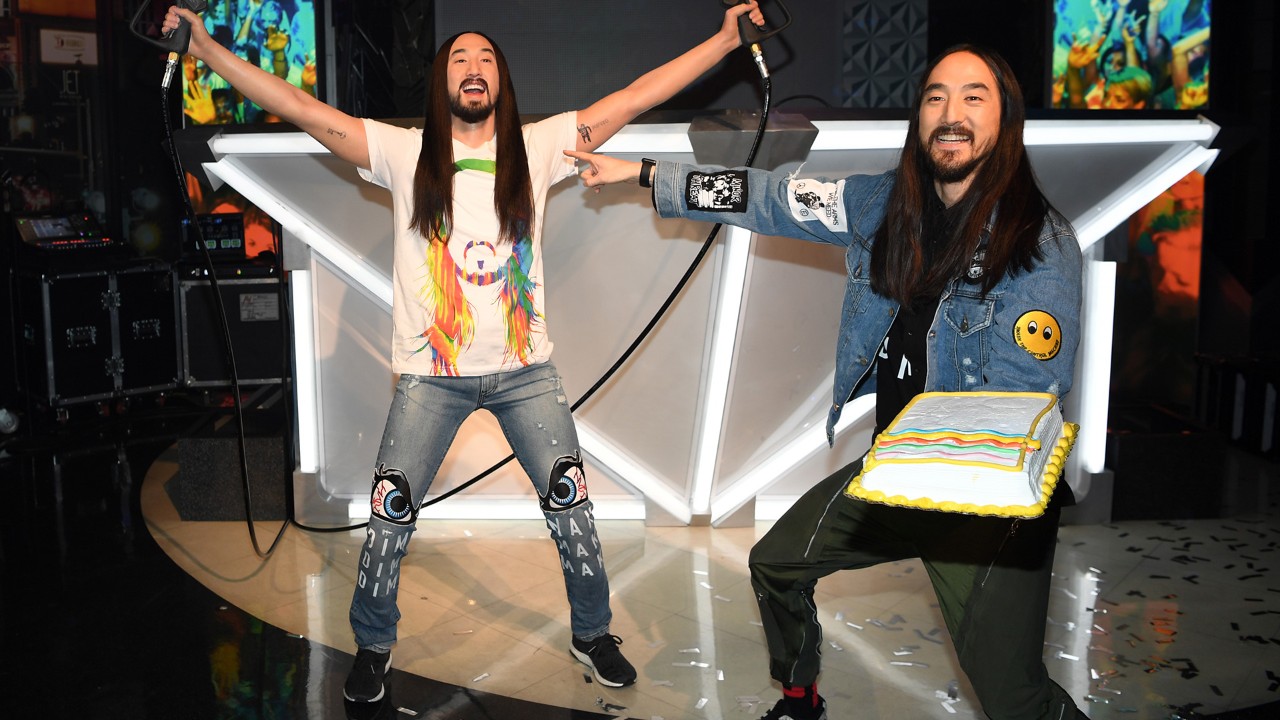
[1038, 333]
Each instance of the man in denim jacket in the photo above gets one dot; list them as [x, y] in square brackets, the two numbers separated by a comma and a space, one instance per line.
[961, 277]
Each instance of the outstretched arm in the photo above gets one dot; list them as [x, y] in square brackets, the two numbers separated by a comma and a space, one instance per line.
[342, 134]
[606, 116]
[606, 170]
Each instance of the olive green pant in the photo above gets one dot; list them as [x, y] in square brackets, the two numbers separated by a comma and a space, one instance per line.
[991, 577]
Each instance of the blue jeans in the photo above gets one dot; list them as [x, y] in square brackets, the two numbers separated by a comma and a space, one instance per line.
[425, 414]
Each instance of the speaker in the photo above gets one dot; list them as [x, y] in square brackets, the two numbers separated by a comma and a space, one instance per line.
[255, 324]
[209, 485]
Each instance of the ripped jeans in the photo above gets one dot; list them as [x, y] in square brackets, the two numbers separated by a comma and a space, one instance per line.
[425, 414]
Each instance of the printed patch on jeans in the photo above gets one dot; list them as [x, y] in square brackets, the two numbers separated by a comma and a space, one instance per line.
[811, 200]
[568, 486]
[1039, 334]
[724, 191]
[390, 500]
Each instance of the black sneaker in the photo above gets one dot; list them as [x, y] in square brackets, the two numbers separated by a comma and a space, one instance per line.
[605, 660]
[368, 677]
[789, 708]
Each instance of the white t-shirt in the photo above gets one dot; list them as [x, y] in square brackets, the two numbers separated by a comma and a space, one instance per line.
[474, 307]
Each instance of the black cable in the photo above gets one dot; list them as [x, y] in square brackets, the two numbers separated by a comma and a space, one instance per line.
[630, 350]
[181, 178]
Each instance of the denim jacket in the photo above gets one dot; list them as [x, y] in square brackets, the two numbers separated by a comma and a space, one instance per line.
[1022, 336]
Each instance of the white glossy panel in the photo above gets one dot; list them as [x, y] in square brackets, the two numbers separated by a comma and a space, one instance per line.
[610, 263]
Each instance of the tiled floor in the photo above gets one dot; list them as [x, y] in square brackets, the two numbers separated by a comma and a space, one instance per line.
[166, 618]
[1146, 617]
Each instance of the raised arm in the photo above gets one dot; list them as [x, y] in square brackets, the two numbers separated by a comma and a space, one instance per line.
[606, 116]
[342, 134]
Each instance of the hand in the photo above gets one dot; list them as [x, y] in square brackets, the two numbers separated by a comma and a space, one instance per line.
[276, 40]
[1133, 24]
[1083, 54]
[189, 67]
[729, 28]
[309, 74]
[1156, 6]
[604, 170]
[199, 35]
[198, 104]
[1101, 12]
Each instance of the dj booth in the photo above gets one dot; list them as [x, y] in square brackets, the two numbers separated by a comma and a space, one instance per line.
[719, 416]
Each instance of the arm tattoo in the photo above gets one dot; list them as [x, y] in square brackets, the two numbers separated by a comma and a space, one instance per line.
[585, 130]
[339, 133]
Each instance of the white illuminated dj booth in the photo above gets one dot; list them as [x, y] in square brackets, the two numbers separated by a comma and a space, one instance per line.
[719, 415]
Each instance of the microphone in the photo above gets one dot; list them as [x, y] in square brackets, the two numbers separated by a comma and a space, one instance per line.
[752, 35]
[176, 41]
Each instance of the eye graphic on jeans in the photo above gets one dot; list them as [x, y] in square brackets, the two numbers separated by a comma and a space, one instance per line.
[390, 499]
[568, 485]
[565, 491]
[395, 504]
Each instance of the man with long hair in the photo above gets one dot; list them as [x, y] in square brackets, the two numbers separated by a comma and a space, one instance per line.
[947, 255]
[468, 194]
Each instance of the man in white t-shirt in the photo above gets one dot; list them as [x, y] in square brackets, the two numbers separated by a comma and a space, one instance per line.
[468, 193]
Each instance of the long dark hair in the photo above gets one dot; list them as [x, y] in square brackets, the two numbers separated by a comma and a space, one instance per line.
[1004, 179]
[433, 180]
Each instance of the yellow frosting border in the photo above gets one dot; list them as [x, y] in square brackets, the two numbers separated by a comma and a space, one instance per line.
[1049, 481]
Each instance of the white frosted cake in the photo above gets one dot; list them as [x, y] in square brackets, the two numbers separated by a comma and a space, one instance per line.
[982, 453]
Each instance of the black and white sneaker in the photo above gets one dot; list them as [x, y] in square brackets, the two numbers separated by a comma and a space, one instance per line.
[797, 708]
[605, 660]
[367, 681]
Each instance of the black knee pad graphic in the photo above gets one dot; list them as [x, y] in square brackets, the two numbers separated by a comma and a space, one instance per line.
[390, 500]
[568, 485]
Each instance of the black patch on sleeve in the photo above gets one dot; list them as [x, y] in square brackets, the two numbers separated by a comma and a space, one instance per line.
[724, 191]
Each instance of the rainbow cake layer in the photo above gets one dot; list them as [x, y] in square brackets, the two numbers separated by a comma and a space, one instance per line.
[982, 453]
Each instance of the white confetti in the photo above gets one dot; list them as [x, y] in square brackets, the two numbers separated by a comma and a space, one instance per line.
[479, 677]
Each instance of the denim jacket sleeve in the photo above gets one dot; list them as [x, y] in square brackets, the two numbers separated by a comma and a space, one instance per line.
[837, 212]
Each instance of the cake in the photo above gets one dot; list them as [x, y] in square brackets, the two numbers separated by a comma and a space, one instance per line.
[981, 453]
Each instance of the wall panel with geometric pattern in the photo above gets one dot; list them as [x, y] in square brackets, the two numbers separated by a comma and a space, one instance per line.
[884, 48]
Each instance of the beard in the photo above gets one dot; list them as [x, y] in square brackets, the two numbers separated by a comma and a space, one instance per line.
[945, 168]
[953, 172]
[470, 112]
